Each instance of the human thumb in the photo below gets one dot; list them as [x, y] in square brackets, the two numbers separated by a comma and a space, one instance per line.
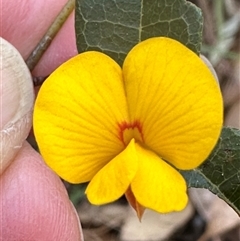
[16, 103]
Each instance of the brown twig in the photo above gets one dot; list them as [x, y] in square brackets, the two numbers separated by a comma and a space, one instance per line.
[46, 40]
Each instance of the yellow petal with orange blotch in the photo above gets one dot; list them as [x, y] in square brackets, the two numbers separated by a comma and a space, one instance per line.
[174, 96]
[76, 116]
[157, 185]
[113, 180]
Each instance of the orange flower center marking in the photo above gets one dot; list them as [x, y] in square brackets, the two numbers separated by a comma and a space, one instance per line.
[127, 131]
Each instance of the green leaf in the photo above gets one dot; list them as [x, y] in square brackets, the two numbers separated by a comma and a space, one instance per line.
[114, 27]
[220, 173]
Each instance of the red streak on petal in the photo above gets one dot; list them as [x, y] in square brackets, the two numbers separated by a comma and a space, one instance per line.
[125, 125]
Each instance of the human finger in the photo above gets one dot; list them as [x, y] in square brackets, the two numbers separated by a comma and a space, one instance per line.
[34, 201]
[31, 21]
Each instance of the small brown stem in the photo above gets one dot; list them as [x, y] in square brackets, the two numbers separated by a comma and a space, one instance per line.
[44, 43]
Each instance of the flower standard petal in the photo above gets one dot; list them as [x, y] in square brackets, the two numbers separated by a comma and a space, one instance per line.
[76, 115]
[177, 100]
[113, 180]
[157, 185]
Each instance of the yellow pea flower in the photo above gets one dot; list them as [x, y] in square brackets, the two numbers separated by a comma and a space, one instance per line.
[126, 130]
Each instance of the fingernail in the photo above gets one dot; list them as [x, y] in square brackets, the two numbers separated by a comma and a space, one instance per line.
[16, 102]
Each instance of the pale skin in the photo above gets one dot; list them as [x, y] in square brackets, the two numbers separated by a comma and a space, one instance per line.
[34, 203]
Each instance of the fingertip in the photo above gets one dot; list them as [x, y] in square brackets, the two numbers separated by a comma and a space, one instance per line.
[35, 203]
